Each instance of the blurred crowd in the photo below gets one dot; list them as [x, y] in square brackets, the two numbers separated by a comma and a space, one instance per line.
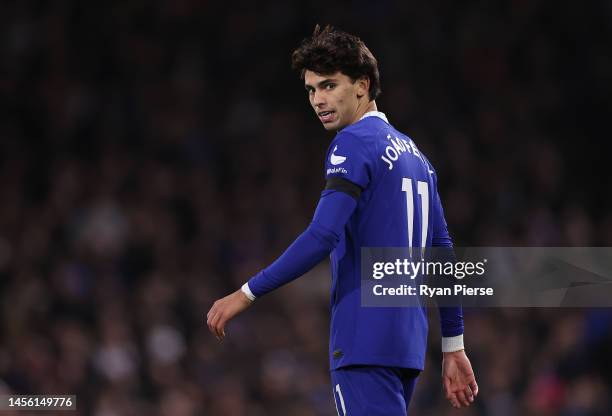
[154, 156]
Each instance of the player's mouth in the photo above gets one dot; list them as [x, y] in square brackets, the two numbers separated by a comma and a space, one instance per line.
[326, 116]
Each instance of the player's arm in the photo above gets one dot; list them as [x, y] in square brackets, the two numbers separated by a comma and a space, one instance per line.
[458, 377]
[322, 235]
[451, 317]
[335, 207]
[348, 172]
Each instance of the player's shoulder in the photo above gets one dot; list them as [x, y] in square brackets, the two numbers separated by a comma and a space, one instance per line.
[363, 133]
[369, 127]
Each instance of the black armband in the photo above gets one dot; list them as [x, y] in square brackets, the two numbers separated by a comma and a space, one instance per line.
[343, 185]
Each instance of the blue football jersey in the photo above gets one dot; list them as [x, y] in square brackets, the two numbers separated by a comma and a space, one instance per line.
[399, 206]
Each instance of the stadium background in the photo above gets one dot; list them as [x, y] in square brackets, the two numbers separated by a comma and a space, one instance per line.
[154, 156]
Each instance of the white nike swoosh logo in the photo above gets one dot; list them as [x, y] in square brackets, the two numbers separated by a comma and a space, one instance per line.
[336, 160]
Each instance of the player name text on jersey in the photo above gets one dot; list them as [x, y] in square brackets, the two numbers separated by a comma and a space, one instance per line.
[397, 148]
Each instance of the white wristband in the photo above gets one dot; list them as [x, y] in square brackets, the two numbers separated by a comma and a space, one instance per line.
[452, 344]
[247, 291]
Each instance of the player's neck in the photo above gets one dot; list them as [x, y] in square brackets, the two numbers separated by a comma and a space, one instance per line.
[369, 106]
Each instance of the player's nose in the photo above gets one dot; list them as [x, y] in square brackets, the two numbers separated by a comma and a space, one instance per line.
[317, 100]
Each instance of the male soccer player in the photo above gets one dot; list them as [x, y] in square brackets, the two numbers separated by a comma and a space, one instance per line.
[373, 197]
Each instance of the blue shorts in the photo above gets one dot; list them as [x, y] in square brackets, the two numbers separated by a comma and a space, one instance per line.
[372, 390]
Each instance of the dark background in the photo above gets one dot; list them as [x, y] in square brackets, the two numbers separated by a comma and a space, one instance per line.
[154, 156]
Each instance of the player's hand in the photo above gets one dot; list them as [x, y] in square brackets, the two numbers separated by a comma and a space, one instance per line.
[225, 309]
[458, 379]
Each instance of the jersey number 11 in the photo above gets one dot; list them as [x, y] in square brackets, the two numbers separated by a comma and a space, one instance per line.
[423, 191]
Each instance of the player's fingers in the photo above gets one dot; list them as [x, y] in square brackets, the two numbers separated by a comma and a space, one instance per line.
[452, 398]
[468, 394]
[212, 316]
[212, 310]
[474, 386]
[209, 317]
[211, 327]
[447, 385]
[450, 395]
[216, 320]
[221, 326]
[213, 322]
[462, 399]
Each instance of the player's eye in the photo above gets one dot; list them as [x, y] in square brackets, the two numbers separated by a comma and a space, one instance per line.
[330, 86]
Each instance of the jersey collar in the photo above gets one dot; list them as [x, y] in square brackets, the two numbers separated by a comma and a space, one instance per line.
[378, 114]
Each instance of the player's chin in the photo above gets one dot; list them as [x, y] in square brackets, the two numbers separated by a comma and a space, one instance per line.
[332, 125]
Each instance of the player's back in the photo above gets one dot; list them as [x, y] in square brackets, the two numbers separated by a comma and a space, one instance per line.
[397, 207]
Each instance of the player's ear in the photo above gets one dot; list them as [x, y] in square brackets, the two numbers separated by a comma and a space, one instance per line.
[363, 86]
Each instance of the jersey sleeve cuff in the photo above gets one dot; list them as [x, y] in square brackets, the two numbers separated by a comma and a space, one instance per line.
[452, 344]
[247, 291]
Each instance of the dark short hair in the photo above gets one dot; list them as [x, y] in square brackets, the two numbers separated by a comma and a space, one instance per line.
[330, 50]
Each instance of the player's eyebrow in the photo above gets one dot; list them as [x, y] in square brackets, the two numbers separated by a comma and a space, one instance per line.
[321, 83]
